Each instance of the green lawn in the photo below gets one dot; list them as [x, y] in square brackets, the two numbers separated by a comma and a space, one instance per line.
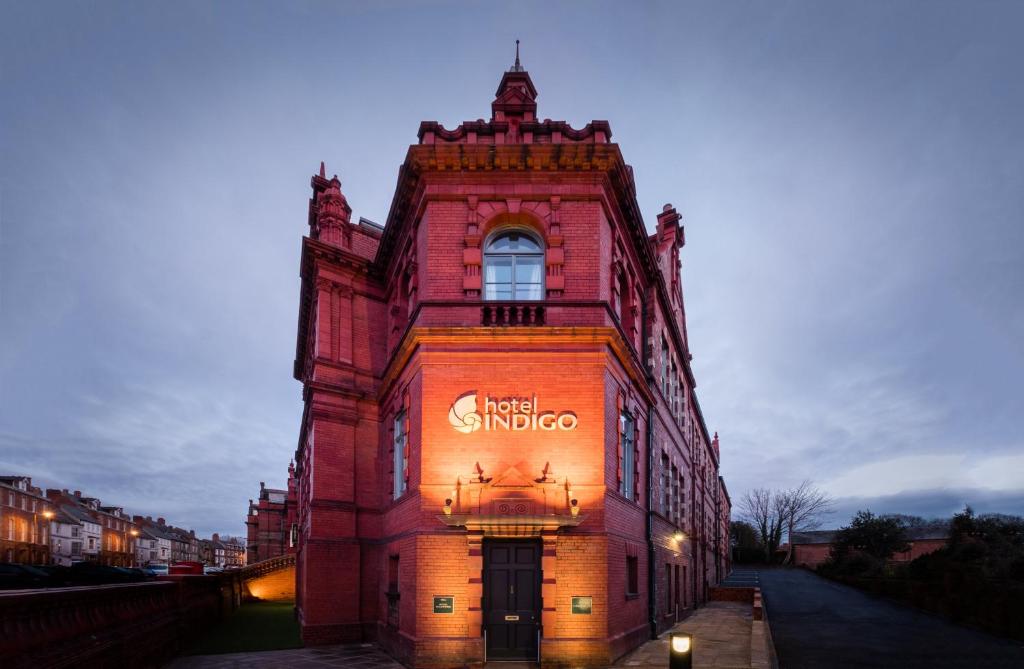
[254, 626]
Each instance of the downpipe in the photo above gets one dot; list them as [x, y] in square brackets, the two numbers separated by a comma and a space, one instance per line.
[649, 478]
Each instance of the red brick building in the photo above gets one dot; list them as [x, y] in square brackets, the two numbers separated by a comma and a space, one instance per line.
[119, 532]
[501, 453]
[272, 522]
[811, 548]
[25, 516]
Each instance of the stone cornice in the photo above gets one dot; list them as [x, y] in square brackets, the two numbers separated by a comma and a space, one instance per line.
[502, 338]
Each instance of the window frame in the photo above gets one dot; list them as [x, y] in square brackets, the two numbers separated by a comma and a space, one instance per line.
[627, 426]
[398, 442]
[489, 256]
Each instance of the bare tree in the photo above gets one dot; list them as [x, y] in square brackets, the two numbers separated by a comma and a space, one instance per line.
[801, 509]
[762, 508]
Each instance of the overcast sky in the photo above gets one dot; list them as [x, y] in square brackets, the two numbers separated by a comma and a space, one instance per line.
[851, 177]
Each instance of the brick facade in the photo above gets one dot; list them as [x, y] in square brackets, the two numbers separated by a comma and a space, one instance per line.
[271, 524]
[439, 422]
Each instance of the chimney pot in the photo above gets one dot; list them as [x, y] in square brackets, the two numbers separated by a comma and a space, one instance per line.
[78, 493]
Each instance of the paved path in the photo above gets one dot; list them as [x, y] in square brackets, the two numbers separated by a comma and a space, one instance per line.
[721, 639]
[818, 623]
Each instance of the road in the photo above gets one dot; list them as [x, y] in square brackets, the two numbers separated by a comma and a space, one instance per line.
[817, 623]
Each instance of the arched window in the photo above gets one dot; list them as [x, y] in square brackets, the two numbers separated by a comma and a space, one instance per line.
[513, 267]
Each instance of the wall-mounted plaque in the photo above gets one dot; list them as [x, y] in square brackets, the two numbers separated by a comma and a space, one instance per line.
[582, 605]
[444, 604]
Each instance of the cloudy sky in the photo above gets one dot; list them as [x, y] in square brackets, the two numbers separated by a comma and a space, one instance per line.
[851, 177]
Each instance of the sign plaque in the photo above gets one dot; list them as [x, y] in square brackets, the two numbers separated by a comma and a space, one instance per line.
[582, 606]
[444, 604]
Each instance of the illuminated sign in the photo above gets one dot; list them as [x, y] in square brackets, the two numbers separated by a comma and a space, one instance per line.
[444, 604]
[507, 413]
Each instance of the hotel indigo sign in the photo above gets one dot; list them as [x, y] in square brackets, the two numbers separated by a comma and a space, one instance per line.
[507, 413]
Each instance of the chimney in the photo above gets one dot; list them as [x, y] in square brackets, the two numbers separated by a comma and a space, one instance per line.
[137, 520]
[78, 494]
[192, 533]
[160, 521]
[215, 537]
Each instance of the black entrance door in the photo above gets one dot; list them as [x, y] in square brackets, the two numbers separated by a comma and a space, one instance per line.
[512, 599]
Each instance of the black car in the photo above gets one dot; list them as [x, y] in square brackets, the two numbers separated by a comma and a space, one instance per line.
[20, 576]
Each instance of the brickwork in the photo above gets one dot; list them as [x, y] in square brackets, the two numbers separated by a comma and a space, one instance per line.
[432, 426]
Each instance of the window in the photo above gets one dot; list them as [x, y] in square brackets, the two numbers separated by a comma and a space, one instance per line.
[666, 486]
[678, 600]
[74, 532]
[401, 462]
[632, 575]
[676, 511]
[76, 548]
[664, 366]
[393, 573]
[673, 396]
[513, 267]
[668, 588]
[682, 498]
[392, 593]
[628, 427]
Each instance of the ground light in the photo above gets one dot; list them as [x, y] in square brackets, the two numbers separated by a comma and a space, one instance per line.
[680, 651]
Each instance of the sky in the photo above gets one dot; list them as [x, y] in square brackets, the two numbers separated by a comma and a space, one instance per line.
[850, 175]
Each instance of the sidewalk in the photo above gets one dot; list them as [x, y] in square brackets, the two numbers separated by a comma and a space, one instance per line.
[721, 639]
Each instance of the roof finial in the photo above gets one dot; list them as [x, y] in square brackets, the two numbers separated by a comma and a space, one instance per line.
[517, 67]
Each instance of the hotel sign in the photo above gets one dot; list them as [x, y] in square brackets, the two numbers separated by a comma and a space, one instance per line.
[507, 413]
[444, 604]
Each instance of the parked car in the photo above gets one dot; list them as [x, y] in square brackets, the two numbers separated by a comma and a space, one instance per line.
[89, 573]
[213, 570]
[19, 576]
[156, 570]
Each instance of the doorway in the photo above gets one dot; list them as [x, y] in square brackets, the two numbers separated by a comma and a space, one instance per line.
[512, 598]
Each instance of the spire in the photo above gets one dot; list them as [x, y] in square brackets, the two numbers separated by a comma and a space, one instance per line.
[516, 96]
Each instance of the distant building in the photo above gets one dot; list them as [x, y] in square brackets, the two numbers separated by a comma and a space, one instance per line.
[184, 544]
[154, 543]
[118, 532]
[65, 539]
[271, 523]
[25, 515]
[228, 552]
[90, 530]
[207, 553]
[810, 549]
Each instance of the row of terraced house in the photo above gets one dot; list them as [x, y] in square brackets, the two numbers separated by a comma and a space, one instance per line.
[61, 527]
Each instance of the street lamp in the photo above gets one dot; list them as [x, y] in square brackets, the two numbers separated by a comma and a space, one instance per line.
[680, 651]
[678, 536]
[48, 514]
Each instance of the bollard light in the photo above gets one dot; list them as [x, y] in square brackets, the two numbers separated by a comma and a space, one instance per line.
[680, 651]
[447, 508]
